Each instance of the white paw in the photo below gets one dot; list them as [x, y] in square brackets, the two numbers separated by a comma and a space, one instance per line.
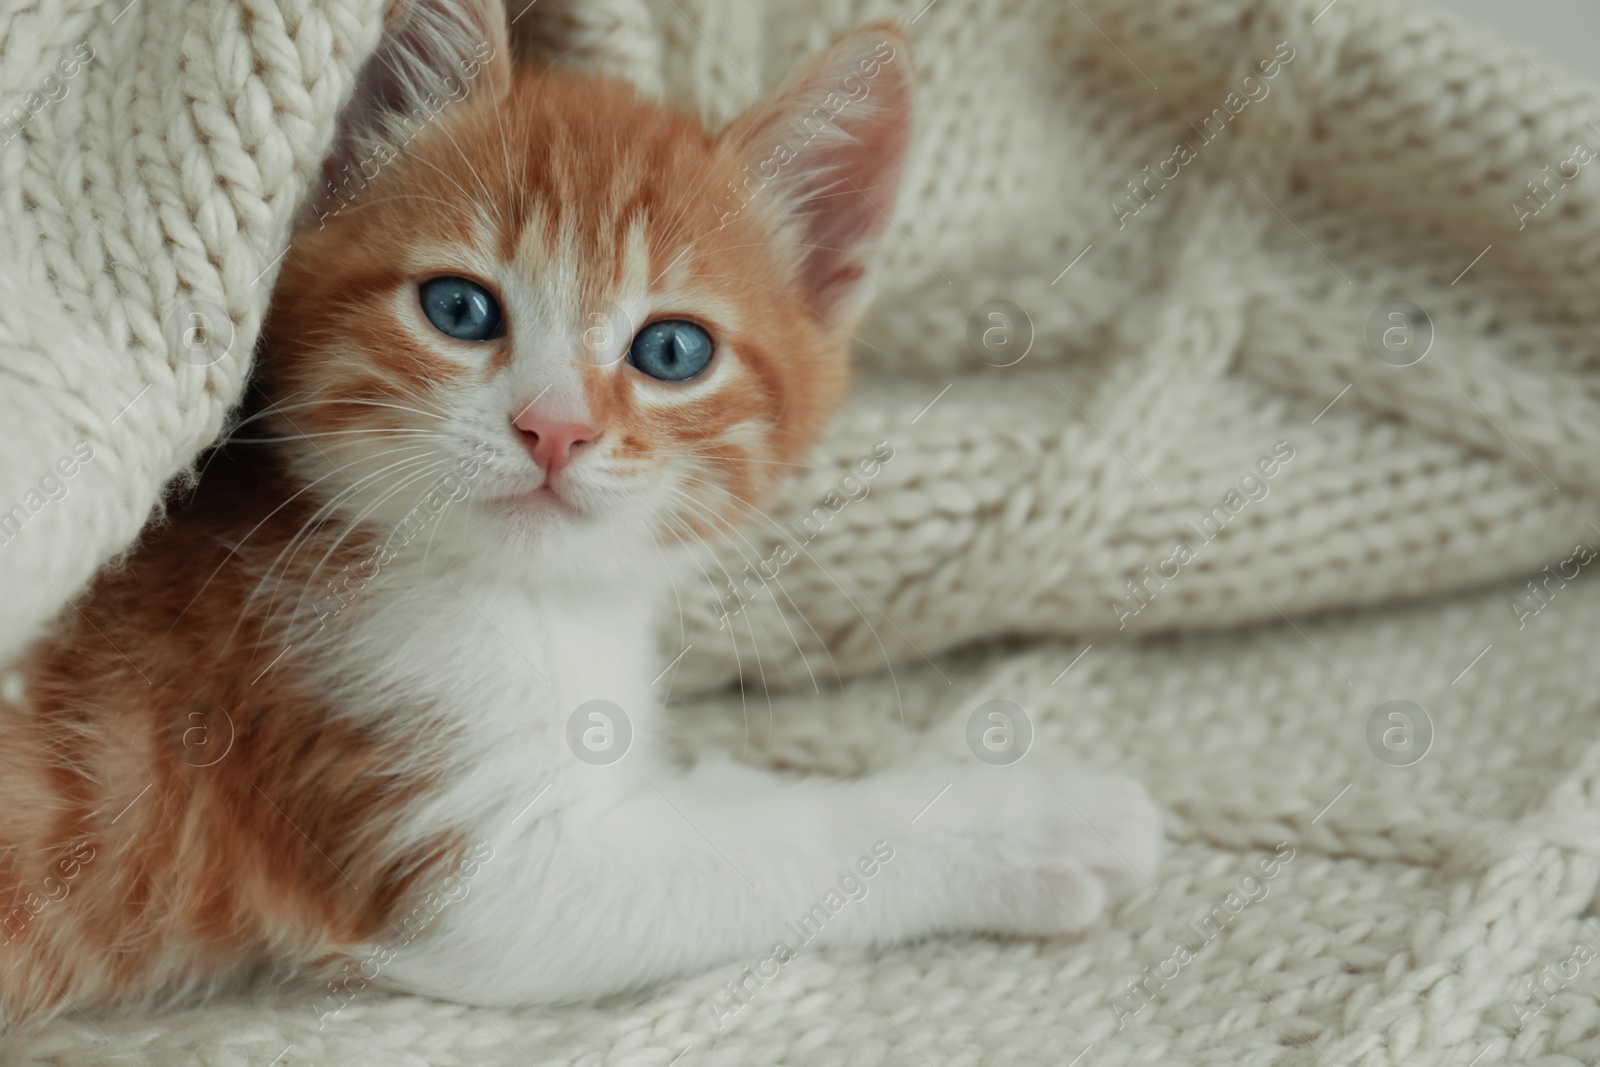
[1044, 848]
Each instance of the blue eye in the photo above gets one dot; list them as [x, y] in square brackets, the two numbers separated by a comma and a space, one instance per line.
[672, 350]
[461, 309]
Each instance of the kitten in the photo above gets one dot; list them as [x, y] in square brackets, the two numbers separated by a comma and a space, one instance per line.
[378, 703]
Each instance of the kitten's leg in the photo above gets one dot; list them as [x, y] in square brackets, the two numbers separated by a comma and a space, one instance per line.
[722, 863]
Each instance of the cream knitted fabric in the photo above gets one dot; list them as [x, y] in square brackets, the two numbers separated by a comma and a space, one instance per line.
[1187, 336]
[155, 179]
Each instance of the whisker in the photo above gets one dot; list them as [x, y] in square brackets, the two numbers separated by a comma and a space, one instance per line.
[449, 503]
[319, 517]
[733, 637]
[671, 573]
[359, 401]
[290, 550]
[747, 459]
[761, 671]
[766, 586]
[235, 549]
[363, 203]
[419, 454]
[409, 480]
[435, 434]
[760, 513]
[314, 526]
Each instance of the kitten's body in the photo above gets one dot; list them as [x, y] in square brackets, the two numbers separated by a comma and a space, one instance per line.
[325, 717]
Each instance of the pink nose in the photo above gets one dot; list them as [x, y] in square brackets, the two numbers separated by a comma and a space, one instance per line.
[551, 443]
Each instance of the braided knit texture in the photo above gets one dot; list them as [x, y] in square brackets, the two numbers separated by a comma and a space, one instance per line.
[1175, 336]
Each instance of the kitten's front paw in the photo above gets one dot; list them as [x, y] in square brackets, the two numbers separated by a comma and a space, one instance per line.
[1122, 843]
[1055, 846]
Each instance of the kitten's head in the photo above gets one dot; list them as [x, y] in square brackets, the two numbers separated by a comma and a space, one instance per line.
[600, 318]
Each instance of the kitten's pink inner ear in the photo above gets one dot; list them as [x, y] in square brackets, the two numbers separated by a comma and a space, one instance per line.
[429, 44]
[823, 154]
[432, 53]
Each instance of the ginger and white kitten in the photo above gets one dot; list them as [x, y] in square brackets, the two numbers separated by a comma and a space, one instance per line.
[336, 715]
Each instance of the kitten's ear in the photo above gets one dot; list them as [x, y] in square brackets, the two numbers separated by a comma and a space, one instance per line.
[432, 53]
[823, 156]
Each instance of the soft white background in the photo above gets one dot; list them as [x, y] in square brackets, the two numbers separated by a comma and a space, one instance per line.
[1567, 29]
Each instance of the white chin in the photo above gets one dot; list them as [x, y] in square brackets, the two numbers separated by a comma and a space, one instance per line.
[540, 505]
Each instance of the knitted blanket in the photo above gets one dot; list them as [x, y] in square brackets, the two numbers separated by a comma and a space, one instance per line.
[1234, 367]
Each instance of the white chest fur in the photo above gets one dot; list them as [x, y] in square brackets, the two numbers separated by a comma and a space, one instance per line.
[484, 675]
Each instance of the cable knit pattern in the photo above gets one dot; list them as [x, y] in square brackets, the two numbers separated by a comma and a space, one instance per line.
[1176, 340]
[1222, 317]
[167, 171]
